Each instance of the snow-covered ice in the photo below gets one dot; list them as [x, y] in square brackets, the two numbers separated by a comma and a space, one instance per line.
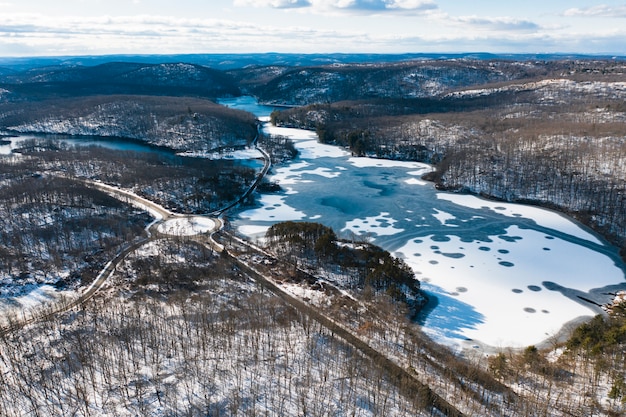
[248, 153]
[443, 217]
[308, 146]
[252, 230]
[542, 217]
[504, 290]
[34, 298]
[381, 225]
[273, 208]
[499, 273]
[363, 162]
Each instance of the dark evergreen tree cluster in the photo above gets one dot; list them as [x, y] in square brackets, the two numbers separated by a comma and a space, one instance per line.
[369, 266]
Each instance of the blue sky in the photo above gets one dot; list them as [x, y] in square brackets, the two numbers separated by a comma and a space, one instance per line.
[96, 27]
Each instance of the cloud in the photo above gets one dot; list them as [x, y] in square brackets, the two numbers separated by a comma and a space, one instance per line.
[276, 4]
[601, 10]
[31, 34]
[345, 6]
[22, 34]
[497, 23]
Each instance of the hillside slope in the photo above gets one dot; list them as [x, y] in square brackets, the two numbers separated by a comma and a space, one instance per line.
[182, 124]
[167, 79]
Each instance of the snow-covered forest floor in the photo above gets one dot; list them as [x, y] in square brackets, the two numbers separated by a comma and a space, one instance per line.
[183, 332]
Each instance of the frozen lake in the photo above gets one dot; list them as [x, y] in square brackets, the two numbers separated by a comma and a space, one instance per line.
[11, 143]
[497, 274]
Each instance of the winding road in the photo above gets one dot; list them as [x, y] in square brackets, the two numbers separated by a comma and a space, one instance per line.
[168, 224]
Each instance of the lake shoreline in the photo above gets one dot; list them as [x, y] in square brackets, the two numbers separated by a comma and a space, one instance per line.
[307, 195]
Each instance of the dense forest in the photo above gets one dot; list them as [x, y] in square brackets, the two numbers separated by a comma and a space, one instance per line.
[185, 333]
[363, 266]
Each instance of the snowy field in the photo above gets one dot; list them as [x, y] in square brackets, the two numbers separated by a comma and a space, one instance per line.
[499, 274]
[22, 305]
[186, 226]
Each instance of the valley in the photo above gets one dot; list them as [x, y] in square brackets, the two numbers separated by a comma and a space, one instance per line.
[452, 242]
[156, 206]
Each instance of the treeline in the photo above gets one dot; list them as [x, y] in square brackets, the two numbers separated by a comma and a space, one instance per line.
[368, 267]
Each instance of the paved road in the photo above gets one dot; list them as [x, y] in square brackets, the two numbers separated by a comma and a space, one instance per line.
[153, 208]
[266, 167]
[64, 304]
[161, 215]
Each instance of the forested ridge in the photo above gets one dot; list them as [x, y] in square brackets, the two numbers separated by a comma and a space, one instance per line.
[182, 124]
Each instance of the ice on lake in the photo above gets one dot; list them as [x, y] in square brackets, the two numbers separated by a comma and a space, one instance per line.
[499, 273]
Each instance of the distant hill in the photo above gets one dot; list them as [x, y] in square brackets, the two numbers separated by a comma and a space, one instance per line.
[172, 79]
[397, 80]
[297, 79]
[231, 61]
[181, 124]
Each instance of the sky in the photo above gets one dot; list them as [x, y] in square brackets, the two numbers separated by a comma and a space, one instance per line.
[101, 27]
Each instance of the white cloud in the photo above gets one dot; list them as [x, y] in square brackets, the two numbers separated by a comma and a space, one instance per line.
[23, 34]
[497, 23]
[345, 6]
[38, 34]
[277, 4]
[601, 10]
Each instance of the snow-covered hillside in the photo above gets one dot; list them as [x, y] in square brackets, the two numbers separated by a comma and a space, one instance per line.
[179, 124]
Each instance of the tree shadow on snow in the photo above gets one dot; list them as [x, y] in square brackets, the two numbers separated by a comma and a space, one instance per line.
[447, 315]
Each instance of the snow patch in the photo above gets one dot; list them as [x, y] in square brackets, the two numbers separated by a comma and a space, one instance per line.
[542, 217]
[381, 225]
[186, 226]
